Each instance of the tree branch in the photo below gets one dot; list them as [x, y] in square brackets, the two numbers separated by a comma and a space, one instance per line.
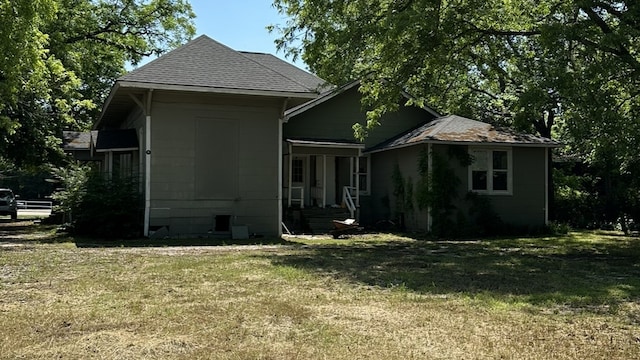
[621, 51]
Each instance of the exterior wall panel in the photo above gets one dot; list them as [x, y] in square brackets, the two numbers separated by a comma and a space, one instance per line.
[525, 207]
[334, 119]
[214, 156]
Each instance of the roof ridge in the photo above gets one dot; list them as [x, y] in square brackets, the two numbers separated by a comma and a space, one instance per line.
[274, 70]
[252, 52]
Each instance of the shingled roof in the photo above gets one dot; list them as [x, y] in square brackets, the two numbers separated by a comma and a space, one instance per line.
[206, 63]
[455, 129]
[76, 140]
[207, 66]
[289, 71]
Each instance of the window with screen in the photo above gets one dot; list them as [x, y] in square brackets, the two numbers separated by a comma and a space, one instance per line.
[491, 171]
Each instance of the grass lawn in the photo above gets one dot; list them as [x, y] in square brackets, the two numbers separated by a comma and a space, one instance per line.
[371, 296]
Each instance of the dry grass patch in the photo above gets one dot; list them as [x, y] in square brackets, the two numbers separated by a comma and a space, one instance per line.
[378, 297]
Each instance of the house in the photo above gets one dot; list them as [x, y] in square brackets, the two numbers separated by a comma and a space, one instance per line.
[509, 169]
[223, 138]
[98, 148]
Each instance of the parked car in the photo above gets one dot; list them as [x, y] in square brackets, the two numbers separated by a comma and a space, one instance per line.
[8, 204]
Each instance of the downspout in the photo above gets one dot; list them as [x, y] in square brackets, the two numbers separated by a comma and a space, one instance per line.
[357, 168]
[281, 122]
[546, 186]
[429, 171]
[290, 177]
[280, 155]
[147, 170]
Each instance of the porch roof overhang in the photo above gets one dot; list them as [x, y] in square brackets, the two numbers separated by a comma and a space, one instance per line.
[325, 143]
[325, 147]
[114, 140]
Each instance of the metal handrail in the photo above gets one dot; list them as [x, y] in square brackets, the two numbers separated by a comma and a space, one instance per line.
[347, 199]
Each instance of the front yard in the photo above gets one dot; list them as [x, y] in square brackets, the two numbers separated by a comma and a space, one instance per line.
[372, 296]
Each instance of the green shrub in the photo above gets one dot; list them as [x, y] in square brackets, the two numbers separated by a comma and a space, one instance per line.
[99, 205]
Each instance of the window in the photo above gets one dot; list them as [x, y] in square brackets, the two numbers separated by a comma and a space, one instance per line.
[363, 174]
[297, 169]
[491, 171]
[121, 164]
[126, 165]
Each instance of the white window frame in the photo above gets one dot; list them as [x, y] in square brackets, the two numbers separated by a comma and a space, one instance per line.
[367, 160]
[297, 160]
[489, 151]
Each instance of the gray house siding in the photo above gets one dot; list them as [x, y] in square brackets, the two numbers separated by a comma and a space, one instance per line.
[527, 205]
[382, 200]
[334, 118]
[214, 156]
[524, 207]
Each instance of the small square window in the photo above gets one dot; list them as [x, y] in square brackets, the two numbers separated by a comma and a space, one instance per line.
[500, 160]
[500, 181]
[479, 180]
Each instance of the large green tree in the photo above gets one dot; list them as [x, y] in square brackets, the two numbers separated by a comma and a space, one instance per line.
[568, 69]
[60, 57]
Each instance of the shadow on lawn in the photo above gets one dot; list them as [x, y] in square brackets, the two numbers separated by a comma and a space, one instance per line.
[566, 271]
[97, 243]
[28, 232]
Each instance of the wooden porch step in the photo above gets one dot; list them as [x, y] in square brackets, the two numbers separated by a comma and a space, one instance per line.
[319, 220]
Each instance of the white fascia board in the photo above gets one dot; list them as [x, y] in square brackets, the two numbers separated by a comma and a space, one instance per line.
[107, 101]
[326, 145]
[117, 149]
[216, 90]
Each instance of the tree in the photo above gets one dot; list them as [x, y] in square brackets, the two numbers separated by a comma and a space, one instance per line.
[561, 68]
[514, 59]
[60, 57]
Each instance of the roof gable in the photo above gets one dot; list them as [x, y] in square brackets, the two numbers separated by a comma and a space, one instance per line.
[206, 63]
[328, 95]
[455, 129]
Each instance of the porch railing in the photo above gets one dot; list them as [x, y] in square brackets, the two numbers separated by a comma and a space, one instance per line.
[347, 199]
[299, 199]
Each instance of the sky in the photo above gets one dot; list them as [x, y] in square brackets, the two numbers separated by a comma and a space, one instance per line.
[240, 24]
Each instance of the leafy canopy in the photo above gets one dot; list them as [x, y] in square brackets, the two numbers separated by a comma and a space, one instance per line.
[522, 63]
[60, 57]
